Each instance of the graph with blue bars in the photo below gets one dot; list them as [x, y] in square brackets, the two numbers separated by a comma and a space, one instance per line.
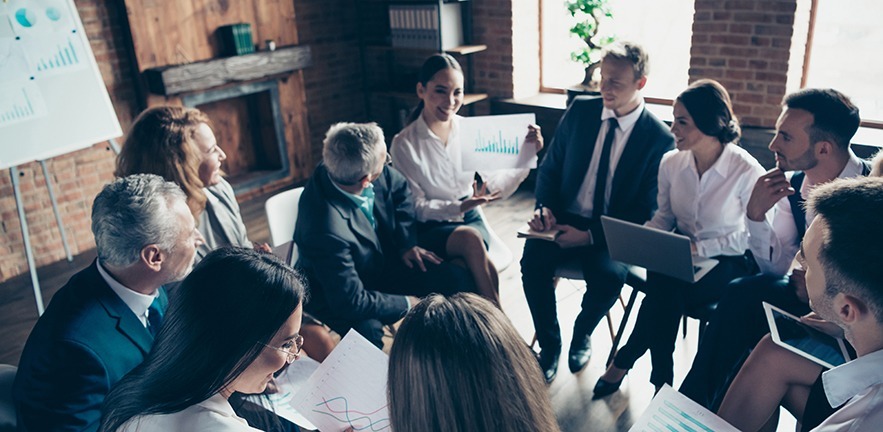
[495, 143]
[62, 55]
[17, 106]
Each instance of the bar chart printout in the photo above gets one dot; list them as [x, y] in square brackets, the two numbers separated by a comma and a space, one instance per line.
[348, 389]
[496, 142]
[671, 411]
[19, 103]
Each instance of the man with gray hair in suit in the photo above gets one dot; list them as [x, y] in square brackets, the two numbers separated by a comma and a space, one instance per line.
[101, 324]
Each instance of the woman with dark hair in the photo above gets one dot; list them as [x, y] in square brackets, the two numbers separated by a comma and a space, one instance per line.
[177, 143]
[457, 364]
[427, 152]
[704, 186]
[233, 323]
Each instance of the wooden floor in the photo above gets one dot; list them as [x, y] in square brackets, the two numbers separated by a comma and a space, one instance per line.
[571, 394]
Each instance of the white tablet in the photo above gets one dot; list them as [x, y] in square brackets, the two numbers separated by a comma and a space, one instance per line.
[788, 332]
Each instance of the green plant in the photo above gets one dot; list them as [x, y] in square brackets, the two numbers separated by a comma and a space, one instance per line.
[589, 14]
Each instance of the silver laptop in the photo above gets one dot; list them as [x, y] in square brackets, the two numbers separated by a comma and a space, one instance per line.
[655, 250]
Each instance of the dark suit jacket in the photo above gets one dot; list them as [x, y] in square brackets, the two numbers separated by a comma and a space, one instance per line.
[346, 260]
[634, 187]
[84, 343]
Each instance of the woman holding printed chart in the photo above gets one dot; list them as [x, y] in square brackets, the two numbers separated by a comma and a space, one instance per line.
[704, 186]
[427, 152]
[233, 324]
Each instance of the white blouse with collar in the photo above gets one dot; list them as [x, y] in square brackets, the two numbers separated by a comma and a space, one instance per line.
[211, 415]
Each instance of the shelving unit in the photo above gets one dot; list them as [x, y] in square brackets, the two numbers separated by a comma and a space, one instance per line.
[390, 72]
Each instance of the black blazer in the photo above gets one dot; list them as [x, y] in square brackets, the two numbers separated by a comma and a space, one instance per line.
[634, 187]
[343, 257]
[84, 343]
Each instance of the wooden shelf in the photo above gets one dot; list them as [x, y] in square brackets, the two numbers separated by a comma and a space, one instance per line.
[468, 99]
[461, 50]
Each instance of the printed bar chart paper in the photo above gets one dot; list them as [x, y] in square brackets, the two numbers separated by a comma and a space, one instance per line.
[496, 142]
[348, 389]
[671, 411]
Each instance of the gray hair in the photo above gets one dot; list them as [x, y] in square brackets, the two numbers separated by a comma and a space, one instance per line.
[632, 53]
[133, 212]
[350, 151]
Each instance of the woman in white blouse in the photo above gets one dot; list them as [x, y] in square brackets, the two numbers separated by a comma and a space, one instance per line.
[704, 186]
[427, 153]
[233, 324]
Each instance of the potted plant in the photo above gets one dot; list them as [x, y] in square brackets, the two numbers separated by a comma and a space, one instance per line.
[589, 14]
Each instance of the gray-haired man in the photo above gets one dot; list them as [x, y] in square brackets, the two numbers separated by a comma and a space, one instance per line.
[356, 238]
[100, 325]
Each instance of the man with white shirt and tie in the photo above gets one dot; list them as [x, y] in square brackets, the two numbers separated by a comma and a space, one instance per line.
[603, 160]
[101, 324]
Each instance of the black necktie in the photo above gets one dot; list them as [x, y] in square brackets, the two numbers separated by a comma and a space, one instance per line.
[154, 318]
[598, 207]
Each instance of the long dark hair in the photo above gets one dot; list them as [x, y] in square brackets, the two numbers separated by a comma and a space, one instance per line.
[232, 303]
[709, 104]
[432, 66]
[457, 364]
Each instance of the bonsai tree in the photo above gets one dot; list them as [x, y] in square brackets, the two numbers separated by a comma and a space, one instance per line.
[589, 14]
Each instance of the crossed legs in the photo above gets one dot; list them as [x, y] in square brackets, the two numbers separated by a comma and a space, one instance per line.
[467, 244]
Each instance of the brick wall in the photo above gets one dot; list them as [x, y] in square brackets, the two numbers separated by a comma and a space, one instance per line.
[333, 84]
[77, 177]
[492, 26]
[745, 44]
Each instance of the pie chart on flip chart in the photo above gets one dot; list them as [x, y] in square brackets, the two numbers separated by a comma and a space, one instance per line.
[25, 17]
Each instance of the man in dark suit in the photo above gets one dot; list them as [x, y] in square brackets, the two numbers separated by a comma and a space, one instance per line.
[100, 325]
[356, 239]
[603, 161]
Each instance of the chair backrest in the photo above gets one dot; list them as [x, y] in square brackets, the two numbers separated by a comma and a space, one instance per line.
[7, 406]
[281, 212]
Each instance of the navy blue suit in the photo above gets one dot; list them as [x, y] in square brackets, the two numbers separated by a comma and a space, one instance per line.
[85, 342]
[632, 198]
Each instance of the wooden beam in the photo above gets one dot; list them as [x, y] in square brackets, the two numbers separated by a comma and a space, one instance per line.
[172, 80]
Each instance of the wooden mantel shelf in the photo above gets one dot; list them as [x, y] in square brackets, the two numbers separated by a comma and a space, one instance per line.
[204, 75]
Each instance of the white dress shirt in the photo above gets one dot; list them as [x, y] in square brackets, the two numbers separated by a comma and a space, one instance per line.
[435, 175]
[774, 244]
[861, 383]
[708, 209]
[584, 198]
[210, 415]
[137, 302]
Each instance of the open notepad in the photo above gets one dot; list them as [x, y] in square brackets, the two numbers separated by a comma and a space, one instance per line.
[527, 232]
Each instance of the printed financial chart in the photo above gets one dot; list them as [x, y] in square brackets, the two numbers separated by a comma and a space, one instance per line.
[496, 143]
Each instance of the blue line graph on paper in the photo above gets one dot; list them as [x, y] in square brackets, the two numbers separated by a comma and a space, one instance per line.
[358, 420]
[495, 143]
[20, 103]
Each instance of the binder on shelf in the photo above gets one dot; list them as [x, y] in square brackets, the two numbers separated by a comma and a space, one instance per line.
[236, 39]
[426, 26]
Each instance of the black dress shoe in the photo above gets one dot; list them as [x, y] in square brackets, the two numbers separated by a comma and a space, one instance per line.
[604, 388]
[579, 354]
[548, 360]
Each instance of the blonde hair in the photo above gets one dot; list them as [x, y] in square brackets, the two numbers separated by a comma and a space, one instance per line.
[161, 142]
[457, 364]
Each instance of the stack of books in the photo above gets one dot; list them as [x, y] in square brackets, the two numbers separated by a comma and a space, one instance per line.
[236, 39]
[430, 26]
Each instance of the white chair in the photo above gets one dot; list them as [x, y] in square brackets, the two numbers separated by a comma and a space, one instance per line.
[498, 252]
[281, 212]
[8, 419]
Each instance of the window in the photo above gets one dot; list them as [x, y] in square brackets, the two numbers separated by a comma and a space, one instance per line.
[844, 52]
[663, 28]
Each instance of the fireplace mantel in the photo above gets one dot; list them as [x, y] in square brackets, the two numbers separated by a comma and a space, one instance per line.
[206, 75]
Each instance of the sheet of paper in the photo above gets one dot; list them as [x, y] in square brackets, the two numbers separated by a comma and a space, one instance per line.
[671, 411]
[496, 142]
[348, 389]
[289, 382]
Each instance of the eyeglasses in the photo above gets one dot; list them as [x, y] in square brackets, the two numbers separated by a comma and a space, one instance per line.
[291, 355]
[388, 159]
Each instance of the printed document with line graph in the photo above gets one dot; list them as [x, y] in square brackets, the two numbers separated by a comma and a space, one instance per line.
[496, 142]
[348, 389]
[671, 411]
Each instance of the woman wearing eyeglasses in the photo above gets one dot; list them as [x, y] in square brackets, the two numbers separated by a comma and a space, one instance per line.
[233, 324]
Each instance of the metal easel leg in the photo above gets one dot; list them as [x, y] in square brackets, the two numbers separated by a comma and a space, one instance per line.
[67, 249]
[38, 294]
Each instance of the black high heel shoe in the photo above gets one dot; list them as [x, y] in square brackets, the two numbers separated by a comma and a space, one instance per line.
[604, 388]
